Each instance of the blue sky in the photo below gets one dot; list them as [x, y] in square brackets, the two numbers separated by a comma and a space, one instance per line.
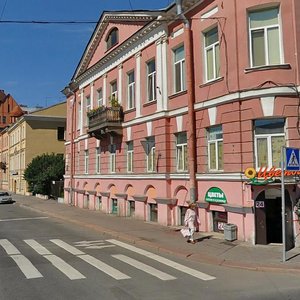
[37, 61]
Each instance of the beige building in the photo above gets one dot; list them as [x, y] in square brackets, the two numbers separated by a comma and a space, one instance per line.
[4, 161]
[42, 131]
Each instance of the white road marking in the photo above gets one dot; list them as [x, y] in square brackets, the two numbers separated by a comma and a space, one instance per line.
[164, 261]
[100, 247]
[116, 274]
[9, 247]
[67, 247]
[141, 266]
[89, 242]
[99, 244]
[22, 219]
[56, 261]
[28, 269]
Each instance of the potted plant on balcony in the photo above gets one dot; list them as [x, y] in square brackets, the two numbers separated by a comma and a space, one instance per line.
[114, 102]
[95, 111]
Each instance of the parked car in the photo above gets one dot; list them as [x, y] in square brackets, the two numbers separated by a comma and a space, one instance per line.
[5, 197]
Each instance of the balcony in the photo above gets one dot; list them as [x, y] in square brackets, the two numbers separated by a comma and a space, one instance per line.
[105, 120]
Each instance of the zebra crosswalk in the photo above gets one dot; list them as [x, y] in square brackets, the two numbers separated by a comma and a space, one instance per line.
[30, 271]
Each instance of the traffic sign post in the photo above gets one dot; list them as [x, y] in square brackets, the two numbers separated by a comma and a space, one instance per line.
[289, 161]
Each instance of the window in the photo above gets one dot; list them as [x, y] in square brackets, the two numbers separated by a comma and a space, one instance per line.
[113, 92]
[181, 152]
[215, 148]
[4, 119]
[60, 133]
[130, 90]
[179, 69]
[212, 55]
[150, 154]
[112, 38]
[86, 161]
[130, 157]
[151, 81]
[100, 97]
[88, 103]
[269, 138]
[112, 161]
[98, 160]
[79, 116]
[265, 42]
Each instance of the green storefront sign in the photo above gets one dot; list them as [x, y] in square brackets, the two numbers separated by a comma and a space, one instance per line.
[215, 195]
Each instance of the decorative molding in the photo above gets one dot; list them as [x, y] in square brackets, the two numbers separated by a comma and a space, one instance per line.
[122, 196]
[167, 201]
[140, 198]
[105, 194]
[267, 104]
[92, 192]
[204, 205]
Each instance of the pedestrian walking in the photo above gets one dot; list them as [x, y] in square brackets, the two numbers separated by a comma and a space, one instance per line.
[191, 220]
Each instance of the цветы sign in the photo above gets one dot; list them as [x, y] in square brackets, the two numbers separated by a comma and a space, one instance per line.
[215, 195]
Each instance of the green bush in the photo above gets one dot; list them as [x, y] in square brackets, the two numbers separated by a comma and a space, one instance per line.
[42, 170]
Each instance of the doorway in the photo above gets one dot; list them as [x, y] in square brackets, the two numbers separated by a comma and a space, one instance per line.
[268, 219]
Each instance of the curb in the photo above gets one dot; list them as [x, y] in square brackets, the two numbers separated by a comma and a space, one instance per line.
[202, 258]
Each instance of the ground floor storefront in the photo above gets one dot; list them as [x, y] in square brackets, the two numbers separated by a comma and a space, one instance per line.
[254, 210]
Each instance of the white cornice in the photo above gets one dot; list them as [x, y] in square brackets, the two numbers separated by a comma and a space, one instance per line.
[101, 27]
[129, 48]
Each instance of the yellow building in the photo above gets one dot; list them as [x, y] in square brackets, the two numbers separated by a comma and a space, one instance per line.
[42, 131]
[4, 161]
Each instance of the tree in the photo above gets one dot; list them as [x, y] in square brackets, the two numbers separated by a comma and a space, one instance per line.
[42, 170]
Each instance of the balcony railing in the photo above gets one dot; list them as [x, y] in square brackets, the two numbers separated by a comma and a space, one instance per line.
[105, 120]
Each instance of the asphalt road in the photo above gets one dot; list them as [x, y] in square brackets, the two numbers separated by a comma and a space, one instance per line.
[45, 258]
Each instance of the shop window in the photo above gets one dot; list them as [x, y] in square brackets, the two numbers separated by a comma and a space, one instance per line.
[131, 208]
[182, 211]
[98, 205]
[153, 212]
[219, 220]
[269, 138]
[114, 206]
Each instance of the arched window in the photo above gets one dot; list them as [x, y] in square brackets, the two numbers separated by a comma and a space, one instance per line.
[112, 38]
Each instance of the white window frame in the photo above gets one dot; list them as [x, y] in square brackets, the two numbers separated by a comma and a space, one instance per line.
[181, 151]
[112, 159]
[212, 47]
[130, 157]
[79, 116]
[100, 97]
[267, 136]
[98, 160]
[265, 29]
[130, 90]
[181, 63]
[151, 80]
[215, 141]
[114, 92]
[150, 159]
[86, 161]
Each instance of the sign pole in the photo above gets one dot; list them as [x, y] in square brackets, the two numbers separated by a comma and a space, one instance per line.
[283, 205]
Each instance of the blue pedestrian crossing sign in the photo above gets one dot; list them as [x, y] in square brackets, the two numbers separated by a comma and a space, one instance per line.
[292, 159]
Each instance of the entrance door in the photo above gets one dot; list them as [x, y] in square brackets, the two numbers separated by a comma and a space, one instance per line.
[268, 219]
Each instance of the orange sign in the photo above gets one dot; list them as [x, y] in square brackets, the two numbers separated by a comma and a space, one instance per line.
[265, 173]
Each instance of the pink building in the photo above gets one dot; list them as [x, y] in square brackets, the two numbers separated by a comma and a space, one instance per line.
[167, 107]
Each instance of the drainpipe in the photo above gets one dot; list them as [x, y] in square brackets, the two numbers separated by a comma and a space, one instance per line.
[188, 45]
[72, 160]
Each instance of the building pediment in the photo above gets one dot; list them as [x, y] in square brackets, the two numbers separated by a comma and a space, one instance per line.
[127, 23]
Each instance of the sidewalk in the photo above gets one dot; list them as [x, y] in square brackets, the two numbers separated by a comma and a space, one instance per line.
[211, 248]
